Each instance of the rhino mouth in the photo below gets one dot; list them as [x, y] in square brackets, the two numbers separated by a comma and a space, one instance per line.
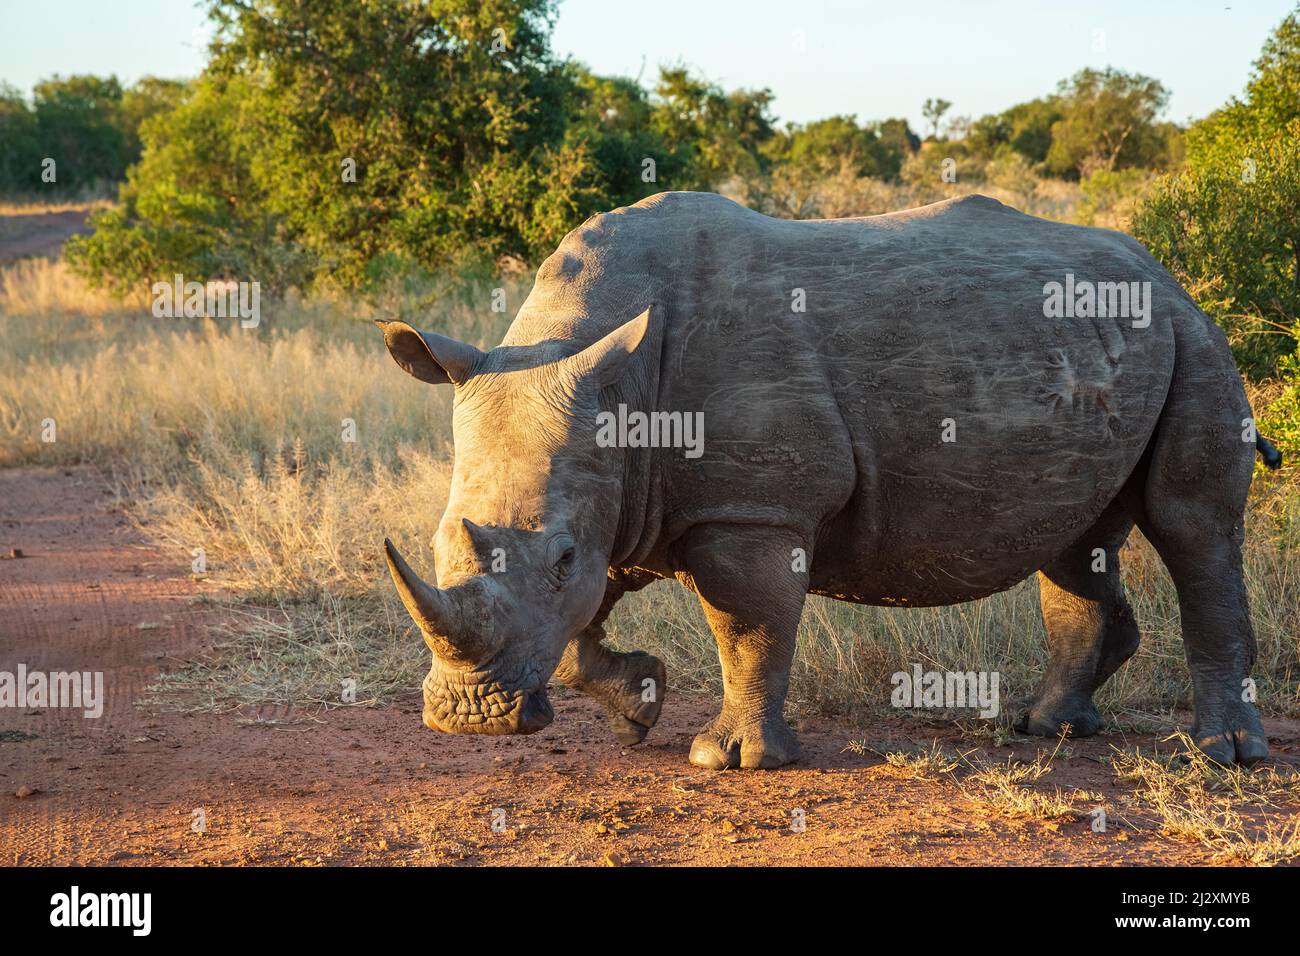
[476, 703]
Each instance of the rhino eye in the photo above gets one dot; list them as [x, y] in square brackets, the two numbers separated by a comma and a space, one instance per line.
[565, 564]
[561, 556]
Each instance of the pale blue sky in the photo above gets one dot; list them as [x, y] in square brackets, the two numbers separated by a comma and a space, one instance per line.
[875, 58]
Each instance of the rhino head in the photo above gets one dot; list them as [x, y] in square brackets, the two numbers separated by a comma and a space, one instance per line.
[522, 551]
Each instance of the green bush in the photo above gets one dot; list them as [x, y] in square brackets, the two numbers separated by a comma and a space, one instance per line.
[1111, 196]
[194, 204]
[1281, 419]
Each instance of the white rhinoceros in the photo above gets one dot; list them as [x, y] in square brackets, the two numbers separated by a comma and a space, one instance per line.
[915, 409]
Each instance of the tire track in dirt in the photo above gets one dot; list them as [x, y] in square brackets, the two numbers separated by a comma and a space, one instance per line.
[372, 786]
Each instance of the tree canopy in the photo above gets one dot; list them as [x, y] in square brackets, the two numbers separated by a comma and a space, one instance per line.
[1228, 224]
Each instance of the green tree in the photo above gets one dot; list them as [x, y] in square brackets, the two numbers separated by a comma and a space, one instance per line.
[20, 155]
[79, 126]
[194, 203]
[838, 144]
[1025, 128]
[148, 97]
[708, 134]
[88, 125]
[320, 141]
[614, 118]
[449, 110]
[899, 140]
[1272, 98]
[933, 110]
[1108, 121]
[1229, 228]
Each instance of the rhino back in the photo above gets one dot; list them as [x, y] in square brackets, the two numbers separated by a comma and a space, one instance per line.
[830, 359]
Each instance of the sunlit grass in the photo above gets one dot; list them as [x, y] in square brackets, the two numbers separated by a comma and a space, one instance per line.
[1239, 815]
[1222, 808]
[43, 207]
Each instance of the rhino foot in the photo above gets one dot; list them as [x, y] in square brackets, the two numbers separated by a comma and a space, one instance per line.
[635, 708]
[1234, 737]
[1050, 718]
[750, 745]
[630, 686]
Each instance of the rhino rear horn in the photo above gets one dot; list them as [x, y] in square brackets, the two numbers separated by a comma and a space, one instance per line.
[481, 539]
[605, 359]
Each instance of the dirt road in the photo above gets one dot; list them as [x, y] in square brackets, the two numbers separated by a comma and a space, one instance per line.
[39, 234]
[374, 786]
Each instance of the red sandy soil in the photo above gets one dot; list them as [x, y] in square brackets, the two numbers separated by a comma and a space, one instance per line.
[373, 786]
[39, 234]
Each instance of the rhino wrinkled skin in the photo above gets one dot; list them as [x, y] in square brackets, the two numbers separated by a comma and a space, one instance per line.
[889, 418]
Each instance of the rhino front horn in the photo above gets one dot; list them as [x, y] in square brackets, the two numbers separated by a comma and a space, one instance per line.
[439, 614]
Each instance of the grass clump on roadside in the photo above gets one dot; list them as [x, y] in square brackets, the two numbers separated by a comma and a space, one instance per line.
[1005, 789]
[1225, 809]
[298, 658]
[1237, 814]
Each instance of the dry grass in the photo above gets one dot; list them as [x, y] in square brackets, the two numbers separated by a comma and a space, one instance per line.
[920, 763]
[1009, 180]
[1221, 808]
[331, 652]
[1004, 789]
[1183, 795]
[45, 207]
[42, 295]
[1007, 789]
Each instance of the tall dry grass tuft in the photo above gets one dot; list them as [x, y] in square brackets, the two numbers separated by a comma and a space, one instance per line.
[41, 291]
[155, 396]
[36, 206]
[791, 194]
[295, 658]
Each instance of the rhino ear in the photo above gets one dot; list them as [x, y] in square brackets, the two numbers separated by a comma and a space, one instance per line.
[430, 357]
[605, 359]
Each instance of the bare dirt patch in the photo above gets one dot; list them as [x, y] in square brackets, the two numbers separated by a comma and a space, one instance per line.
[28, 235]
[372, 786]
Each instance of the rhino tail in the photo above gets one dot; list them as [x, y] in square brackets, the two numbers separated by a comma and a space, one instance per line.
[1268, 451]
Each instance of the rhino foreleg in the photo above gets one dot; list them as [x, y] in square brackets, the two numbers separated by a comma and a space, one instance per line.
[751, 581]
[630, 687]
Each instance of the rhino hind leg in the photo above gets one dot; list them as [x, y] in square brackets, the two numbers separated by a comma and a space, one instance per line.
[1091, 630]
[1220, 648]
[630, 686]
[752, 593]
[1192, 511]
